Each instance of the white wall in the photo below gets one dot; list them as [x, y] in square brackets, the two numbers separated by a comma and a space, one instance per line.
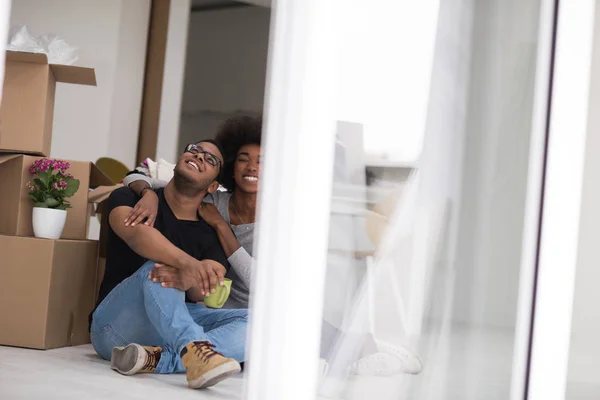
[225, 68]
[584, 360]
[92, 122]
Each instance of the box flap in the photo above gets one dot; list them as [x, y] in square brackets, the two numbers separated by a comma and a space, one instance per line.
[20, 56]
[97, 178]
[7, 157]
[62, 73]
[101, 193]
[73, 74]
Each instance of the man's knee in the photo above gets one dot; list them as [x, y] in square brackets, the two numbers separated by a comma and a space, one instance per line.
[149, 285]
[144, 271]
[146, 268]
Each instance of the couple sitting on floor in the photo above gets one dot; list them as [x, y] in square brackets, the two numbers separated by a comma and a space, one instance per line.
[170, 244]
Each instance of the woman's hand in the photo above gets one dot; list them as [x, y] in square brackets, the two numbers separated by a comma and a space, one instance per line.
[210, 214]
[145, 209]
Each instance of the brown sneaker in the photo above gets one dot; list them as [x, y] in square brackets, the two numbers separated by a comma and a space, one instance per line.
[135, 359]
[206, 367]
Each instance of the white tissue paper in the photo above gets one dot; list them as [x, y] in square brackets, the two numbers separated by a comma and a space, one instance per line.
[57, 50]
[161, 169]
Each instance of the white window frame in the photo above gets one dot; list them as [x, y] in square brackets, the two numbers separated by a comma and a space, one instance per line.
[559, 231]
[535, 179]
[295, 197]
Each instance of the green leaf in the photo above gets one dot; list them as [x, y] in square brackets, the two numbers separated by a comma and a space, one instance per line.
[52, 202]
[72, 187]
[41, 205]
[40, 184]
[37, 197]
[44, 178]
[63, 206]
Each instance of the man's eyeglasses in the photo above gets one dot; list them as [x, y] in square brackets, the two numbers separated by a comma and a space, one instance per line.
[209, 157]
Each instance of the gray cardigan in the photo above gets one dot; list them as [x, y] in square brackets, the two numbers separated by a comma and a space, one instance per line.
[241, 260]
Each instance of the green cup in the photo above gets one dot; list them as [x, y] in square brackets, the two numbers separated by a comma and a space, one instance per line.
[220, 296]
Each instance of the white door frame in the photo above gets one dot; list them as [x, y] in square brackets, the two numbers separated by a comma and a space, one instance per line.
[285, 332]
[561, 201]
[173, 78]
[535, 179]
[295, 198]
[5, 6]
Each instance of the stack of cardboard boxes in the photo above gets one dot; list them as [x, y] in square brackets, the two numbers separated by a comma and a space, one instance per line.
[48, 286]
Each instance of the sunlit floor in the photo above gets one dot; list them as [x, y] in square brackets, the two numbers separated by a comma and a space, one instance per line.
[78, 373]
[467, 365]
[583, 391]
[462, 364]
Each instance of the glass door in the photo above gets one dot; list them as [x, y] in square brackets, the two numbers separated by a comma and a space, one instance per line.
[402, 196]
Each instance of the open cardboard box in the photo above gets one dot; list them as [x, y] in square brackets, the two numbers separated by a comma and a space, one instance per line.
[27, 109]
[16, 206]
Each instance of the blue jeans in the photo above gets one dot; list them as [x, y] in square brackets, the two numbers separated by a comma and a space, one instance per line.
[141, 311]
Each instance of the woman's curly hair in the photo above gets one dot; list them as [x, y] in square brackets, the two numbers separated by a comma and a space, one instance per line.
[232, 135]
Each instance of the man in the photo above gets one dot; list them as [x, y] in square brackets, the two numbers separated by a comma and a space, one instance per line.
[155, 275]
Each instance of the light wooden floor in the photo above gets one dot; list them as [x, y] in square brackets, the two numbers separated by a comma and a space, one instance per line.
[470, 365]
[78, 373]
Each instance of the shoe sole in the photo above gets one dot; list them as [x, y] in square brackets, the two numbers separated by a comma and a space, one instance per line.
[215, 375]
[416, 366]
[129, 359]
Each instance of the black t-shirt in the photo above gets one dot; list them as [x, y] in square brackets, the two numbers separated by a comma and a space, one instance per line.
[196, 238]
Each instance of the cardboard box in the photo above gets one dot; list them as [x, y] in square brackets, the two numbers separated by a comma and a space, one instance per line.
[27, 109]
[97, 199]
[16, 206]
[48, 291]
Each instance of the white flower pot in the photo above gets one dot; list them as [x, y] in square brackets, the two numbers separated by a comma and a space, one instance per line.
[48, 223]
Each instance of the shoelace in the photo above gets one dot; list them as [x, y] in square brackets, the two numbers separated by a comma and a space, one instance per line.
[205, 351]
[152, 359]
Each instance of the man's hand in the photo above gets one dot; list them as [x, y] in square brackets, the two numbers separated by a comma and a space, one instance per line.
[210, 214]
[145, 209]
[204, 275]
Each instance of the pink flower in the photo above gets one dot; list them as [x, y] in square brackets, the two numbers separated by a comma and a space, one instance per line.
[59, 185]
[49, 164]
[30, 187]
[35, 167]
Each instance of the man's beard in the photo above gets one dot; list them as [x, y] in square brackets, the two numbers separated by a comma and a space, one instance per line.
[187, 186]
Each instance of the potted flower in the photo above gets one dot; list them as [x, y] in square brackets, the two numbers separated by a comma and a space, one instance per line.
[48, 189]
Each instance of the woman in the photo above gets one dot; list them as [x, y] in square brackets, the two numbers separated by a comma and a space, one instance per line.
[232, 214]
